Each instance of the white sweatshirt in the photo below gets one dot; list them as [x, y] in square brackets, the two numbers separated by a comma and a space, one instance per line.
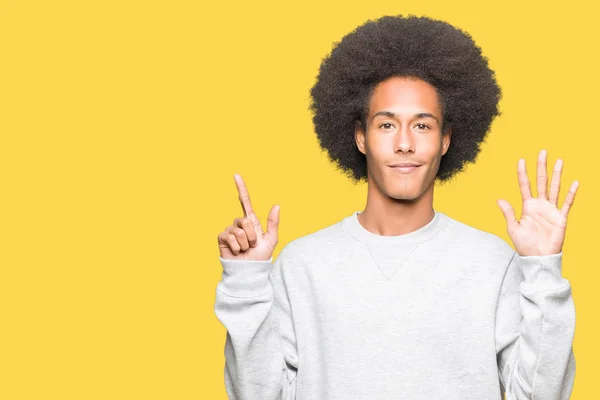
[444, 312]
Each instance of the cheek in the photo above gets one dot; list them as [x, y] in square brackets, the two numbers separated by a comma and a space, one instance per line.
[381, 146]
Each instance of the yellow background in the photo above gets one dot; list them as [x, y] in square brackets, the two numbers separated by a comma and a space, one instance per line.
[123, 122]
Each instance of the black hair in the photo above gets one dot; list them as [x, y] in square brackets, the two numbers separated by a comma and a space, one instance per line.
[432, 50]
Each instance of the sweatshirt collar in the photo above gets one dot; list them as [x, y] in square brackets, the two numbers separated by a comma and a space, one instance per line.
[356, 230]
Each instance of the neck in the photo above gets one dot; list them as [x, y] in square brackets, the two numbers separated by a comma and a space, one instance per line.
[387, 216]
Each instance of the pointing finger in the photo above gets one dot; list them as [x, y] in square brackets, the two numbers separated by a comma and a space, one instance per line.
[243, 196]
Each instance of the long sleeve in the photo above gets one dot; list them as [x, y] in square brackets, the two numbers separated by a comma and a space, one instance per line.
[261, 360]
[535, 325]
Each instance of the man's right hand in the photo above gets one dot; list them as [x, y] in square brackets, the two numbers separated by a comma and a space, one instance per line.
[245, 238]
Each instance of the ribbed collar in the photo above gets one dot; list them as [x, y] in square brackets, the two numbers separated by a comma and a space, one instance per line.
[355, 229]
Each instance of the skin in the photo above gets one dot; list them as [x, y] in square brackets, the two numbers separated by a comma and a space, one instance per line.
[245, 239]
[401, 203]
[542, 227]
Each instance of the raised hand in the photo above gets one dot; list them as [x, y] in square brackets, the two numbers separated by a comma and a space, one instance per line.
[541, 228]
[245, 238]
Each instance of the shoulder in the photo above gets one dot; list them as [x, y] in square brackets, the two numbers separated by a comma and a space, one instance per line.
[311, 245]
[479, 241]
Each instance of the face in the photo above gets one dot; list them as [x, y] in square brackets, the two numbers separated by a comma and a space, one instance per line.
[403, 126]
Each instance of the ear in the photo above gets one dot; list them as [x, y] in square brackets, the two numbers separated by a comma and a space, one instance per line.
[446, 140]
[359, 137]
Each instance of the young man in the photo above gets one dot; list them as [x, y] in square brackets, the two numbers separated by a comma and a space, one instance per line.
[401, 301]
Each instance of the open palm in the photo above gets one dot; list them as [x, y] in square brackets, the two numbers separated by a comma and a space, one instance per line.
[541, 228]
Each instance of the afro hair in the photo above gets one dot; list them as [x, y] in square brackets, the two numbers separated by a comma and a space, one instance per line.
[432, 50]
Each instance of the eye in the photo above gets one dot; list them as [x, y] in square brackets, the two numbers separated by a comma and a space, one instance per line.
[386, 125]
[423, 126]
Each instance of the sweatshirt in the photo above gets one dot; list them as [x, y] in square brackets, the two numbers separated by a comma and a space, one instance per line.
[447, 311]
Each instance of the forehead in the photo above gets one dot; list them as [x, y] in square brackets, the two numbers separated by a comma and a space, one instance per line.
[404, 95]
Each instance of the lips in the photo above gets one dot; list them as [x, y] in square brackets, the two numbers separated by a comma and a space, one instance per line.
[404, 168]
[404, 164]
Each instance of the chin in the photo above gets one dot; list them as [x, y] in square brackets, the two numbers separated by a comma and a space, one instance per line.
[404, 195]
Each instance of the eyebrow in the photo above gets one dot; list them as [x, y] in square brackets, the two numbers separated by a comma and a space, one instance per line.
[394, 115]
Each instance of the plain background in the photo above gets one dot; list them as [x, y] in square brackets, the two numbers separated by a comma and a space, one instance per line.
[123, 122]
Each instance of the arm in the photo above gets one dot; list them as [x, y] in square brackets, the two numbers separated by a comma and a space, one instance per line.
[535, 324]
[260, 349]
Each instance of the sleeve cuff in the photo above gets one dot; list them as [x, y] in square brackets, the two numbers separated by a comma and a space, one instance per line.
[542, 273]
[245, 278]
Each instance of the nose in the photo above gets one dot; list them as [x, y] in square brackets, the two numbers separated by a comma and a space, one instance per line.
[404, 140]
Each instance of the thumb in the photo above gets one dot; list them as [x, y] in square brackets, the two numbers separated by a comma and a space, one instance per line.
[273, 222]
[508, 212]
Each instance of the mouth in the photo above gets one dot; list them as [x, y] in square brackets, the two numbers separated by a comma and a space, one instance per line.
[404, 169]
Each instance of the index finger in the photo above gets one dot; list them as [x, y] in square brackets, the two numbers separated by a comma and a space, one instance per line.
[523, 180]
[244, 197]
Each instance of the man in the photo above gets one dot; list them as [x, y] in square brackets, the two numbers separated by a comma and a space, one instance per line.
[401, 301]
